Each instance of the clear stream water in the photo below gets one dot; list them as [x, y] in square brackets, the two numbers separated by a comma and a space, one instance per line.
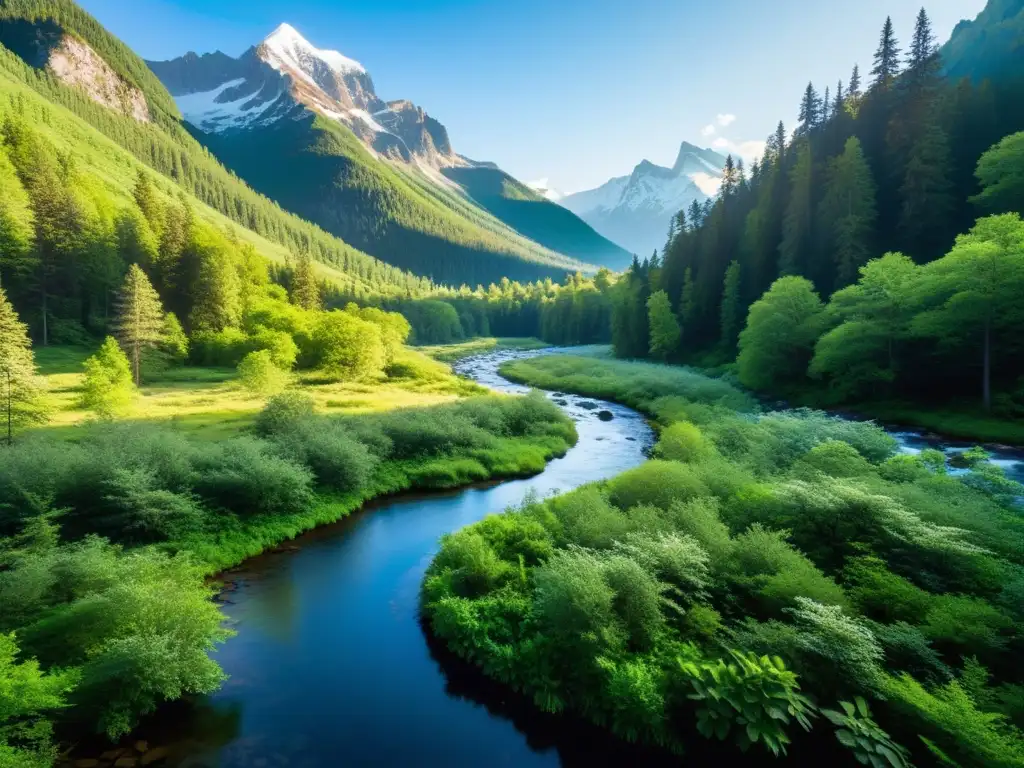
[331, 666]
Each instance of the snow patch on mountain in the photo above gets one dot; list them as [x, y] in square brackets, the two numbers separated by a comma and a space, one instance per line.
[543, 187]
[288, 50]
[634, 211]
[212, 112]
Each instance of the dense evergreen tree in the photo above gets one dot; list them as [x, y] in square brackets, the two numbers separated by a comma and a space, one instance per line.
[108, 388]
[305, 292]
[847, 214]
[21, 393]
[139, 324]
[887, 57]
[732, 308]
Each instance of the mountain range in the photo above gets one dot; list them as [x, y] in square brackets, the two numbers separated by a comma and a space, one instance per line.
[635, 210]
[306, 127]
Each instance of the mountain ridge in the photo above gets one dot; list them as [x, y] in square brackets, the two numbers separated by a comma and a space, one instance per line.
[635, 210]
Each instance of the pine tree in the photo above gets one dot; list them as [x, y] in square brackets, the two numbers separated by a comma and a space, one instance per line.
[922, 58]
[149, 203]
[730, 178]
[810, 110]
[732, 310]
[887, 57]
[847, 214]
[139, 324]
[21, 391]
[17, 234]
[305, 291]
[794, 251]
[927, 196]
[853, 91]
[826, 105]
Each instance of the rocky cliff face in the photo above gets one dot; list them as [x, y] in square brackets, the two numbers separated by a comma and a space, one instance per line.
[76, 64]
[284, 77]
[45, 45]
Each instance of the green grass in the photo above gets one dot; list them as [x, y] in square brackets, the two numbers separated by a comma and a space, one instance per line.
[450, 353]
[638, 385]
[211, 403]
[966, 423]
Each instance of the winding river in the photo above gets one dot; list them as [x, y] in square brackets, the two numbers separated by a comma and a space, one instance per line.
[331, 666]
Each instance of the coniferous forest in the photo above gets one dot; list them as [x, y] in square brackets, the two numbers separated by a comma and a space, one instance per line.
[729, 563]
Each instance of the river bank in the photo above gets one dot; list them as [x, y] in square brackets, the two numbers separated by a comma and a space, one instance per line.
[330, 662]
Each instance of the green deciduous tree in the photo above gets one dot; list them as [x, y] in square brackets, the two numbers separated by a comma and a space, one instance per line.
[27, 696]
[347, 347]
[1001, 175]
[874, 315]
[21, 390]
[782, 327]
[139, 324]
[260, 375]
[665, 333]
[108, 388]
[974, 293]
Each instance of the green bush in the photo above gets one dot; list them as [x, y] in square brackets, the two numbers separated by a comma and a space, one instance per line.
[657, 483]
[682, 442]
[223, 349]
[335, 457]
[837, 459]
[754, 699]
[245, 476]
[283, 412]
[260, 375]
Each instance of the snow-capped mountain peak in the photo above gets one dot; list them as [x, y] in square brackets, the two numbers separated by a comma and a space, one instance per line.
[634, 211]
[287, 77]
[287, 50]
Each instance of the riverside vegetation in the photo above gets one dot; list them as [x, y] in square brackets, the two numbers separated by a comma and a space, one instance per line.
[111, 525]
[765, 575]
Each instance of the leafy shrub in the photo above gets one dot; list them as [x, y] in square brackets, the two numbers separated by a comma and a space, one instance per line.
[224, 349]
[775, 574]
[573, 601]
[586, 518]
[140, 625]
[906, 649]
[657, 483]
[682, 442]
[244, 475]
[870, 745]
[283, 412]
[903, 469]
[516, 535]
[336, 458]
[838, 651]
[260, 375]
[755, 699]
[883, 595]
[280, 345]
[699, 518]
[678, 561]
[837, 459]
[952, 725]
[472, 567]
[635, 692]
[638, 600]
[108, 388]
[959, 624]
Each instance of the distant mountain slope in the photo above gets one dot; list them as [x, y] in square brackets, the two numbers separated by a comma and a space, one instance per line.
[635, 210]
[991, 46]
[52, 52]
[536, 217]
[306, 127]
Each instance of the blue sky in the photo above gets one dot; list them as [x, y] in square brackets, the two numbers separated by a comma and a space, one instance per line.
[576, 91]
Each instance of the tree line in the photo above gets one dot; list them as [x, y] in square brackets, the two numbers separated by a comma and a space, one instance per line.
[899, 165]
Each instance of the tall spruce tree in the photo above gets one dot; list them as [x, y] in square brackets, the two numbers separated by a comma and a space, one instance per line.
[17, 258]
[927, 194]
[797, 226]
[887, 57]
[923, 54]
[305, 291]
[139, 323]
[731, 309]
[847, 214]
[810, 110]
[21, 390]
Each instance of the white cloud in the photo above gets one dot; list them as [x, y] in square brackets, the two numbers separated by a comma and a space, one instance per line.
[708, 130]
[748, 150]
[707, 183]
[726, 120]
